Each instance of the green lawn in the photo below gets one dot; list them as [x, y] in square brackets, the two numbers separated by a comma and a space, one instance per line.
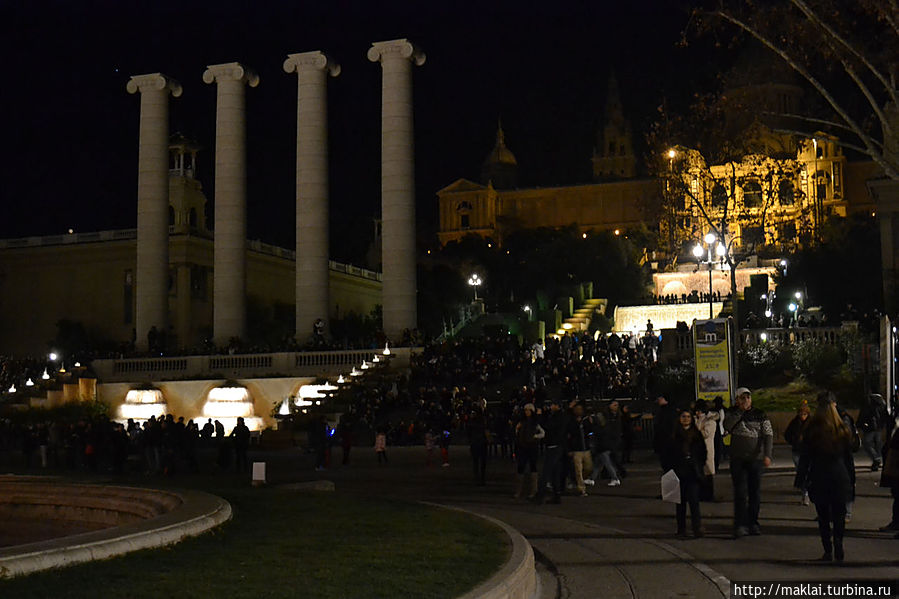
[284, 543]
[786, 398]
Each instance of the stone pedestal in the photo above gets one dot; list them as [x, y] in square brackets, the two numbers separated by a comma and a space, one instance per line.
[398, 253]
[152, 276]
[312, 251]
[229, 263]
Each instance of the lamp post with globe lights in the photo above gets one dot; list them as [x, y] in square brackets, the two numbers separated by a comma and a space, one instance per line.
[704, 255]
[475, 281]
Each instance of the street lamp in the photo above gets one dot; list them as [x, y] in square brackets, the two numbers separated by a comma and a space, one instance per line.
[475, 281]
[704, 255]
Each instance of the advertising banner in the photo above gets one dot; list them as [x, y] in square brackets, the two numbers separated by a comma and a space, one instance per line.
[713, 354]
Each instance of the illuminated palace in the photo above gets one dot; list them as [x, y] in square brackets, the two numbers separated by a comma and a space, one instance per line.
[494, 206]
[779, 194]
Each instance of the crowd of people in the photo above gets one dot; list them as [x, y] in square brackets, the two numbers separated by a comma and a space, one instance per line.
[162, 445]
[549, 409]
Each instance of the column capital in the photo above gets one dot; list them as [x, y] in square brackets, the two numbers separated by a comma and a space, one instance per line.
[318, 61]
[153, 81]
[230, 71]
[401, 48]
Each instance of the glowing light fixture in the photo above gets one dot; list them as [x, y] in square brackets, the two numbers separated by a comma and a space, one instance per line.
[227, 404]
[284, 410]
[710, 238]
[141, 404]
[767, 313]
[46, 375]
[12, 388]
[567, 326]
[698, 251]
[386, 351]
[792, 307]
[763, 336]
[53, 356]
[672, 153]
[798, 295]
[340, 380]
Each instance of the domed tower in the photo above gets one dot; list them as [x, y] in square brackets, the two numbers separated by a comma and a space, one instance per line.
[500, 166]
[614, 157]
[187, 203]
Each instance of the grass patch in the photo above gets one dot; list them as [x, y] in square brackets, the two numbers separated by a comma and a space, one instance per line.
[785, 398]
[287, 544]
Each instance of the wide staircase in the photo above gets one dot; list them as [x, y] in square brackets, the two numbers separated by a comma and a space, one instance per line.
[580, 320]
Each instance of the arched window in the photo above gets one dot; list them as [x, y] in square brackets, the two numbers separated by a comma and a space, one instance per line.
[464, 210]
[785, 192]
[192, 218]
[171, 216]
[752, 194]
[719, 196]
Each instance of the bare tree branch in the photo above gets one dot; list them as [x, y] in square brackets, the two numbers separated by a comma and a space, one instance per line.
[813, 17]
[870, 147]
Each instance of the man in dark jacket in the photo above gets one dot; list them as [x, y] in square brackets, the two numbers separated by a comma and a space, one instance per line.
[477, 440]
[751, 447]
[663, 428]
[871, 421]
[555, 424]
[578, 438]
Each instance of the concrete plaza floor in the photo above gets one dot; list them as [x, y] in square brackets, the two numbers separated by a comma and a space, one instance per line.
[619, 542]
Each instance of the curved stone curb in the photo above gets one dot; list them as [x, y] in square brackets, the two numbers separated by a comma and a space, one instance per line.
[517, 579]
[198, 513]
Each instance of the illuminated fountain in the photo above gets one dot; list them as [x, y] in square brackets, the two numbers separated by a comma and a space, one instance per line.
[140, 404]
[227, 404]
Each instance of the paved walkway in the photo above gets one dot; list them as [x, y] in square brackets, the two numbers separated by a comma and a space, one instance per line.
[619, 542]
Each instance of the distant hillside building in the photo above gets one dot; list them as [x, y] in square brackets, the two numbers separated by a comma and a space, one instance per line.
[90, 277]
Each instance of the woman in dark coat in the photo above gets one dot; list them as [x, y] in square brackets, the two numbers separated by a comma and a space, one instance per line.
[687, 455]
[889, 479]
[831, 473]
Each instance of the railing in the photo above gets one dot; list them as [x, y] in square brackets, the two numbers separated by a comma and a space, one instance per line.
[466, 315]
[826, 335]
[330, 358]
[128, 234]
[319, 363]
[140, 366]
[243, 361]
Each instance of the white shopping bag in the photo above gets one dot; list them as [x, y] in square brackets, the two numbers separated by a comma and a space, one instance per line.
[670, 487]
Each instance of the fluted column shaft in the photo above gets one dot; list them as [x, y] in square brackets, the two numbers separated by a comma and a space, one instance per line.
[398, 253]
[312, 234]
[152, 276]
[229, 256]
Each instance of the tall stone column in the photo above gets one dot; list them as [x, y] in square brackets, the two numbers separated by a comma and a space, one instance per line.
[152, 280]
[312, 280]
[229, 259]
[398, 256]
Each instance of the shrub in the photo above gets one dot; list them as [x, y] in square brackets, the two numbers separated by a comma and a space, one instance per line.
[764, 365]
[818, 362]
[677, 382]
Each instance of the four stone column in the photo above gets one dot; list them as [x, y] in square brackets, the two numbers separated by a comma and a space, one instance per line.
[312, 243]
[398, 252]
[229, 262]
[152, 280]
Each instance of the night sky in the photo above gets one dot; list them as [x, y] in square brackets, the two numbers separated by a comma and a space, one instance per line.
[70, 128]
